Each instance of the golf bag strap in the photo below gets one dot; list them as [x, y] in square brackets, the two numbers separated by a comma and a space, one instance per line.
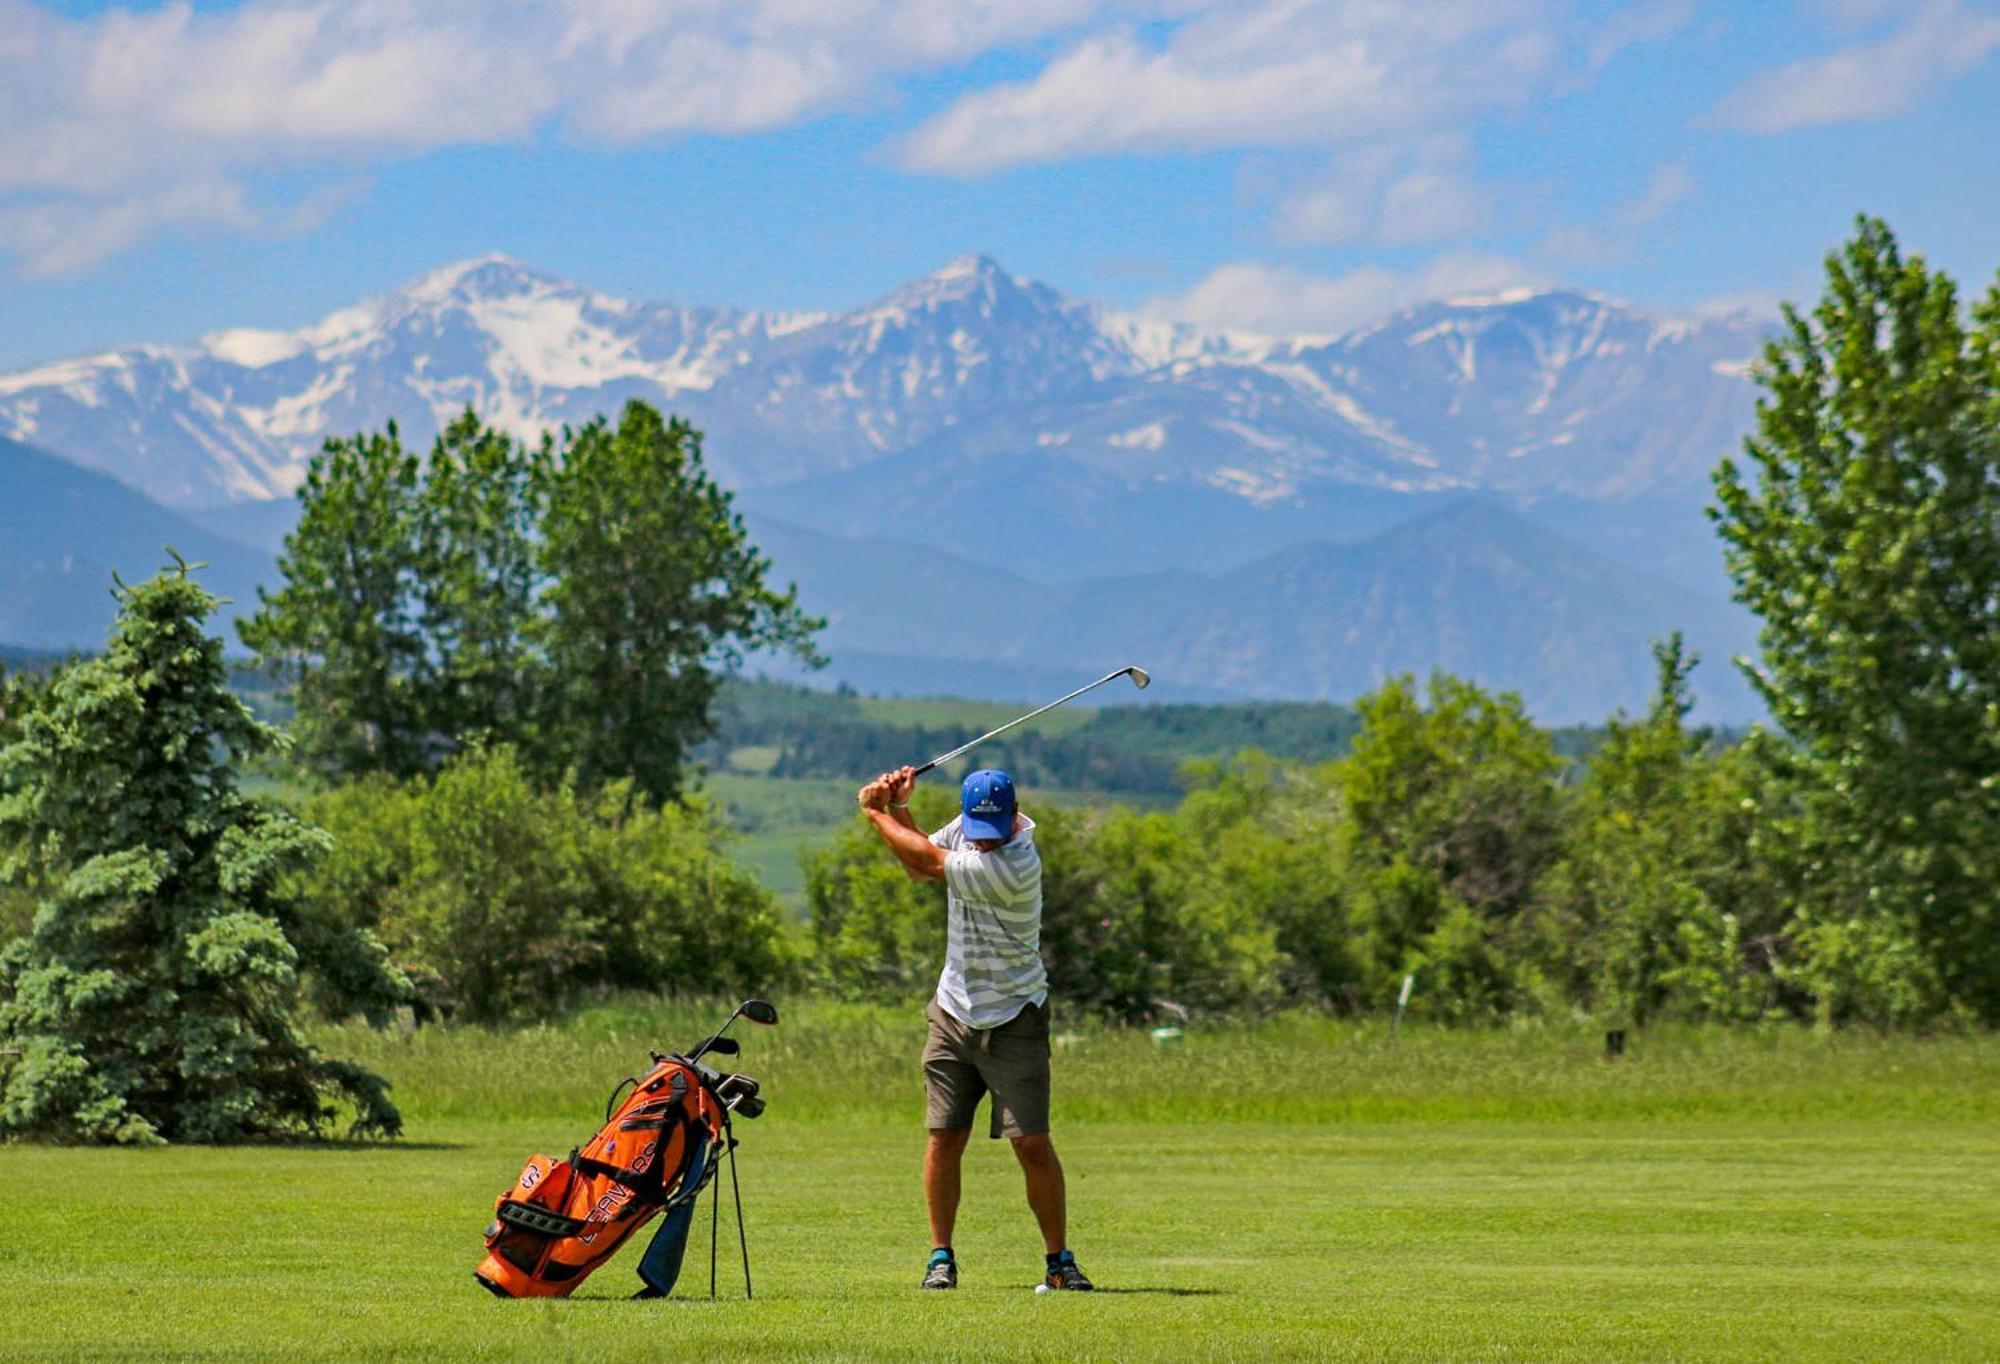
[636, 1180]
[618, 1173]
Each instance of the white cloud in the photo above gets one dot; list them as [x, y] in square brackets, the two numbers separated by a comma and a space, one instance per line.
[164, 116]
[1863, 81]
[1278, 299]
[1430, 206]
[1851, 14]
[1594, 245]
[1279, 72]
[1414, 194]
[1637, 24]
[1327, 216]
[57, 237]
[1759, 305]
[61, 236]
[1669, 186]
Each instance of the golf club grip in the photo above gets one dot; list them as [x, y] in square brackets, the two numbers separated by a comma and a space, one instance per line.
[925, 768]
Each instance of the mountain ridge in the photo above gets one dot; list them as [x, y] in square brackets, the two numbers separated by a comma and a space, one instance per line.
[980, 414]
[969, 353]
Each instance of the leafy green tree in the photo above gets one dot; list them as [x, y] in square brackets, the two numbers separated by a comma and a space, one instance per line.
[154, 997]
[1127, 931]
[1866, 535]
[475, 516]
[1267, 832]
[1451, 817]
[343, 631]
[654, 589]
[1658, 905]
[579, 600]
[680, 914]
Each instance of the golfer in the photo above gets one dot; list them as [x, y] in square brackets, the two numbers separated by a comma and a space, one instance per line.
[989, 1022]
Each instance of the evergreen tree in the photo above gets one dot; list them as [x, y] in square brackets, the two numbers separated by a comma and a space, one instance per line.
[17, 901]
[654, 591]
[1866, 534]
[153, 998]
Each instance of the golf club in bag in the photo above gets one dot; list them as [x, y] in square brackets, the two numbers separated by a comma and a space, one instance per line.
[1140, 679]
[660, 1146]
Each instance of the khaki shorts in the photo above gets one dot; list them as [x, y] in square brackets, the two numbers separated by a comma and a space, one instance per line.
[962, 1063]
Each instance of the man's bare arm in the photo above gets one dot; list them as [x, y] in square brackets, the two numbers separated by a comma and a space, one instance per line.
[880, 800]
[919, 856]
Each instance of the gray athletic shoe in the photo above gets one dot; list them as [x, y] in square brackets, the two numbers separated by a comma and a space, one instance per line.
[943, 1273]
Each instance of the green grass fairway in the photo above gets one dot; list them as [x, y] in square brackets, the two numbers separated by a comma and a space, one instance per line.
[1300, 1190]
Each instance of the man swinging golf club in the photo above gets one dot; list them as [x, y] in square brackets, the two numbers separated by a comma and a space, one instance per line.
[989, 1021]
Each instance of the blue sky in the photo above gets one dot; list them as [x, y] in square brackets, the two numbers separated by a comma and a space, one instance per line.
[1289, 165]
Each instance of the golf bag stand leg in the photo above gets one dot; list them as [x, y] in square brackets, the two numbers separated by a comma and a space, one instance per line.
[729, 1140]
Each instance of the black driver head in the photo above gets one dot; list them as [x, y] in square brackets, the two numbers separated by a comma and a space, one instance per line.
[760, 1011]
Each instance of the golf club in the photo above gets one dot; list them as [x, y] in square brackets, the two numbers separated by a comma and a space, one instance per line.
[1140, 679]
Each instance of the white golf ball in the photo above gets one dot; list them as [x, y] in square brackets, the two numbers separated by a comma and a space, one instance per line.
[1043, 1288]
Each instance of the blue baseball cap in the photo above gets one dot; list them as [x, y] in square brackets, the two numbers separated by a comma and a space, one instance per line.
[987, 802]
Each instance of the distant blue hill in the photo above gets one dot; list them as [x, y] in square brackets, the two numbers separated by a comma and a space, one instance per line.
[1466, 585]
[1471, 588]
[65, 530]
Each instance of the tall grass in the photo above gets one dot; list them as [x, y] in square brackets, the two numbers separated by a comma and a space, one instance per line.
[833, 1061]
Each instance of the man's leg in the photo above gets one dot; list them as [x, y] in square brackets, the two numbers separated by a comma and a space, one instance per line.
[953, 1090]
[1046, 1193]
[1018, 1075]
[941, 1180]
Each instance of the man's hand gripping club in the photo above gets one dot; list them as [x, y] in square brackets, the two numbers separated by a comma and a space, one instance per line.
[886, 802]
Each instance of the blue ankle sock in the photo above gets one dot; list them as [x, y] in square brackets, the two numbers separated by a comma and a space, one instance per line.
[942, 1253]
[1057, 1258]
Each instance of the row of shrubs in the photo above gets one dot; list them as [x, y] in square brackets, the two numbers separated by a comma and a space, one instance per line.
[1453, 842]
[488, 898]
[1669, 874]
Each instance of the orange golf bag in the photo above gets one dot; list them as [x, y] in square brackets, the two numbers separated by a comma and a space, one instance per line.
[660, 1145]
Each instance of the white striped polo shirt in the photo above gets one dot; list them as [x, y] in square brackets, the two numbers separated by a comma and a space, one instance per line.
[992, 958]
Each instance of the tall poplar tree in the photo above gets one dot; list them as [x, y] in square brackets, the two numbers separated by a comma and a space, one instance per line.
[343, 632]
[1866, 535]
[654, 590]
[476, 517]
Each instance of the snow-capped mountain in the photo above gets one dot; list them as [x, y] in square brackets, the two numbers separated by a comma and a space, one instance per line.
[1299, 513]
[237, 416]
[1530, 395]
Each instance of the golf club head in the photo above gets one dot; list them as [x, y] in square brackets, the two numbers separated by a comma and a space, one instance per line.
[760, 1011]
[1140, 677]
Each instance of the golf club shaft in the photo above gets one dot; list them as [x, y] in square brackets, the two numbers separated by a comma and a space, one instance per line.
[710, 1040]
[1020, 719]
